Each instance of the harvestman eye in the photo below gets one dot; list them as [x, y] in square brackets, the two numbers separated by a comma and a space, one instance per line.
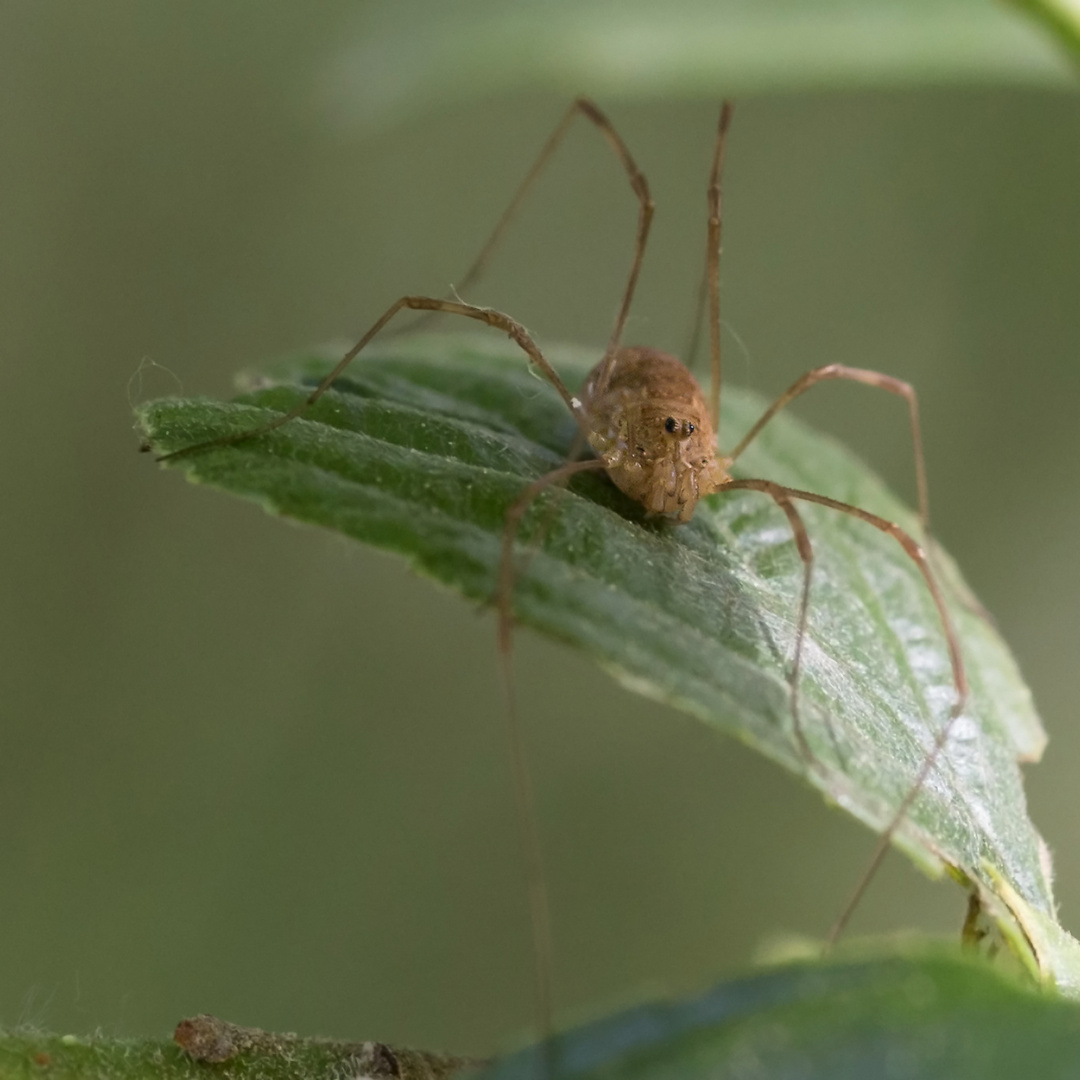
[671, 425]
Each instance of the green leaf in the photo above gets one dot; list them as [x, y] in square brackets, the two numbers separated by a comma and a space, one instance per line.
[918, 1014]
[416, 53]
[427, 440]
[222, 1050]
[1060, 17]
[918, 1017]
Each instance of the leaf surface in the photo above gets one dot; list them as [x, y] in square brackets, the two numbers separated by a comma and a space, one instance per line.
[427, 440]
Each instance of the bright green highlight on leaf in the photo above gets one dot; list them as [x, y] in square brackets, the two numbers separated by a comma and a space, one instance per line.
[1061, 17]
[427, 440]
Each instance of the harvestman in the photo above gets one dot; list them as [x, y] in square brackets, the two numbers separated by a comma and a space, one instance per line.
[653, 431]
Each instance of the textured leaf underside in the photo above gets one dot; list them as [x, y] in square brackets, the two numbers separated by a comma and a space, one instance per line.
[426, 441]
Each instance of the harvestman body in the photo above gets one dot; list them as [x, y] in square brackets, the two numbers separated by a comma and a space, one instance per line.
[653, 431]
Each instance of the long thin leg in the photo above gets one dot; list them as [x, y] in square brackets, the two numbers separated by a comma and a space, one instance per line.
[918, 556]
[956, 660]
[779, 494]
[639, 185]
[518, 509]
[867, 378]
[591, 112]
[530, 835]
[493, 318]
[689, 354]
[716, 219]
[901, 389]
[538, 904]
[551, 511]
[646, 207]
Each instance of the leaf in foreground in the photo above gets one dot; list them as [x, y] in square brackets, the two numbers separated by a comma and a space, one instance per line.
[928, 1015]
[921, 1014]
[426, 442]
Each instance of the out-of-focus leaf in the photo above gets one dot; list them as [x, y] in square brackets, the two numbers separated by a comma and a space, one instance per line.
[918, 1014]
[417, 54]
[920, 1017]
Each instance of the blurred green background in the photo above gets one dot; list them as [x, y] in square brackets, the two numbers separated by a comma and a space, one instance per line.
[250, 769]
